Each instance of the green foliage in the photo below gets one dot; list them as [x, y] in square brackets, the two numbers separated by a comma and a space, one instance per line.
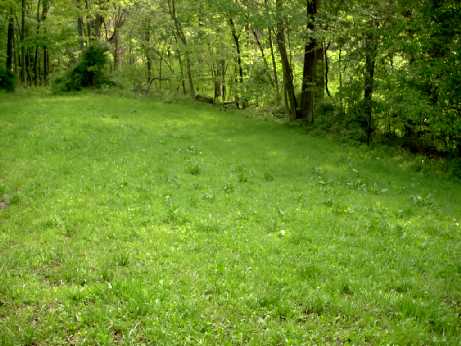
[88, 73]
[7, 80]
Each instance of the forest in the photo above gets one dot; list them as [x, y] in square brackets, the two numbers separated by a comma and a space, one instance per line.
[364, 69]
[230, 172]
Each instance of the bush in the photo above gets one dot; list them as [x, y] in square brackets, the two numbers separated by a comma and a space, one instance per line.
[7, 80]
[89, 72]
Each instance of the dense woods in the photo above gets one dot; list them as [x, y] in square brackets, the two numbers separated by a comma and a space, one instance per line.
[369, 69]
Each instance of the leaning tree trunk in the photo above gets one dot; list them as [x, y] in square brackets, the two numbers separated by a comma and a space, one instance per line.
[287, 71]
[236, 39]
[263, 56]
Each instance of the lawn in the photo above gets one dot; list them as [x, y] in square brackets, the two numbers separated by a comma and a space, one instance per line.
[131, 221]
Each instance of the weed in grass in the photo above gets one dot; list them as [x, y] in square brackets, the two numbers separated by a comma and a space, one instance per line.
[228, 188]
[193, 168]
[122, 259]
[268, 176]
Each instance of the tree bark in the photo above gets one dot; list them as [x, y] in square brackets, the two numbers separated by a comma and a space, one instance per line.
[236, 39]
[271, 46]
[80, 26]
[327, 67]
[370, 55]
[287, 71]
[263, 56]
[36, 55]
[22, 39]
[310, 59]
[45, 8]
[10, 43]
[182, 39]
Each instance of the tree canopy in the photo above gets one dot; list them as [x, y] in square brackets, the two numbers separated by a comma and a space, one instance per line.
[387, 69]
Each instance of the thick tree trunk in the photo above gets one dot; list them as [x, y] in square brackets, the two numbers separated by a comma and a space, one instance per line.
[287, 71]
[309, 68]
[10, 43]
[370, 55]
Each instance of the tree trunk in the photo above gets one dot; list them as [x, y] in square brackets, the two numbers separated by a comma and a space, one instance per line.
[88, 24]
[326, 69]
[46, 67]
[309, 68]
[236, 39]
[287, 71]
[340, 76]
[80, 26]
[274, 65]
[45, 8]
[181, 38]
[147, 53]
[116, 51]
[36, 55]
[271, 46]
[263, 56]
[10, 43]
[370, 55]
[181, 69]
[22, 39]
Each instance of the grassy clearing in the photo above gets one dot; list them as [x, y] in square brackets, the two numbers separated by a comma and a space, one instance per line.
[135, 222]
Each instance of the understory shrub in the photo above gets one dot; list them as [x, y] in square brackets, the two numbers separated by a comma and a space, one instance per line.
[90, 72]
[7, 80]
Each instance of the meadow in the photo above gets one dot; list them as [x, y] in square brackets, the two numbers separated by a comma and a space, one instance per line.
[132, 221]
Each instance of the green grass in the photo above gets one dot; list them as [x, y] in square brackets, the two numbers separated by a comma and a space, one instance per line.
[135, 222]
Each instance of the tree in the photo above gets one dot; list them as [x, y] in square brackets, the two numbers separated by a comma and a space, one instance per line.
[290, 96]
[311, 57]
